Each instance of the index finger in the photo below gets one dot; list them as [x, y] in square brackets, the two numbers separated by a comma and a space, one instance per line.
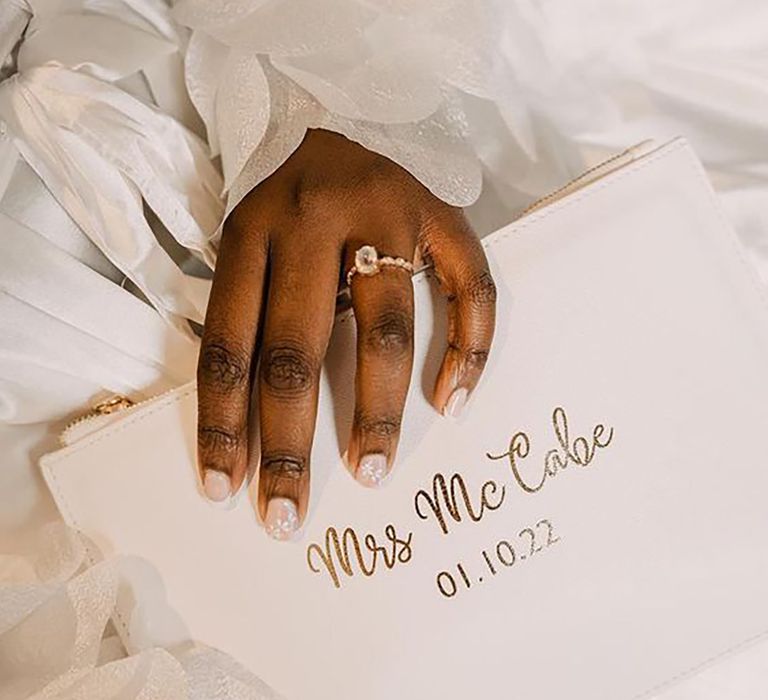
[226, 358]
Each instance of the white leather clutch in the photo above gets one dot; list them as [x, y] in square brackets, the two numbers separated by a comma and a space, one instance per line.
[593, 527]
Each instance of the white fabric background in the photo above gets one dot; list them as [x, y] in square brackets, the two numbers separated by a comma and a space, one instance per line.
[515, 96]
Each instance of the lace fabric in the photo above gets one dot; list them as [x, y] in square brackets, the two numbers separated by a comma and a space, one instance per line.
[56, 643]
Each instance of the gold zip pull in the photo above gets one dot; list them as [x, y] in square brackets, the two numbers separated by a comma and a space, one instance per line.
[111, 405]
[98, 414]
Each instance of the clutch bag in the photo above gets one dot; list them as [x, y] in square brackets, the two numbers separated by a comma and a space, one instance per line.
[592, 527]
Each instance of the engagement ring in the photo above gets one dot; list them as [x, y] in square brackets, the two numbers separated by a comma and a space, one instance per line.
[368, 263]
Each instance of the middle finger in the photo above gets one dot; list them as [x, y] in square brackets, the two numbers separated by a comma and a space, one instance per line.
[300, 310]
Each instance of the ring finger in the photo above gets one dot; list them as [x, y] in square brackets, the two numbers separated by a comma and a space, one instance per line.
[383, 306]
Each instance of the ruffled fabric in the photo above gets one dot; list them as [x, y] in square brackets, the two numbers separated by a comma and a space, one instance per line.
[102, 152]
[71, 335]
[389, 75]
[107, 203]
[512, 98]
[598, 75]
[56, 642]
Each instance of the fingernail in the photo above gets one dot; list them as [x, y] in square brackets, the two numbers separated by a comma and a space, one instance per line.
[217, 486]
[282, 519]
[231, 502]
[456, 402]
[372, 470]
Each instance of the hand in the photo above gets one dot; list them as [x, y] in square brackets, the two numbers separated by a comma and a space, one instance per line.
[284, 251]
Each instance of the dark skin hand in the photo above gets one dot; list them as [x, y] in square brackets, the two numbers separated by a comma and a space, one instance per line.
[285, 250]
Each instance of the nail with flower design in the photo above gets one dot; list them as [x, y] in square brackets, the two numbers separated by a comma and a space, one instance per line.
[282, 519]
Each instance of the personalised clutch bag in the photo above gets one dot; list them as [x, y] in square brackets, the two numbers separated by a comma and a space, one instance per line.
[593, 526]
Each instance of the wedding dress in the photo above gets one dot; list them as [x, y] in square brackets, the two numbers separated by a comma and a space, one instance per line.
[110, 207]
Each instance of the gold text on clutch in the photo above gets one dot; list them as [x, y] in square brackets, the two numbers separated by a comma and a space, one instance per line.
[580, 451]
[447, 497]
[346, 552]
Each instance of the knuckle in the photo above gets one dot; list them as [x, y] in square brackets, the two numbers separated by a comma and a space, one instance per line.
[239, 220]
[480, 289]
[472, 358]
[223, 366]
[247, 219]
[310, 196]
[306, 197]
[379, 178]
[385, 426]
[391, 334]
[282, 466]
[476, 359]
[288, 369]
[218, 439]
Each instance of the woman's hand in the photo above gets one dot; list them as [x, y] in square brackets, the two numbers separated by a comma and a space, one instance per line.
[284, 251]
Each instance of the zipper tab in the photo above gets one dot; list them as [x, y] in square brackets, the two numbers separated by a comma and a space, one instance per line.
[97, 416]
[105, 413]
[111, 405]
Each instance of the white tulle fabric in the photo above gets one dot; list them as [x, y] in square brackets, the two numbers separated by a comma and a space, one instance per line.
[390, 75]
[513, 95]
[56, 642]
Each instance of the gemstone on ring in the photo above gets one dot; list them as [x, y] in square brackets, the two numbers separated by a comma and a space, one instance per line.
[368, 263]
[367, 260]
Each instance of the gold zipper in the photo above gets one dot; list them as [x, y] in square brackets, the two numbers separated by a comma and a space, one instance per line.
[104, 408]
[114, 404]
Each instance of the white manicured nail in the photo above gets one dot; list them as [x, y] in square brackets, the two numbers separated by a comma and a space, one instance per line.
[455, 404]
[372, 470]
[231, 502]
[282, 519]
[217, 486]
